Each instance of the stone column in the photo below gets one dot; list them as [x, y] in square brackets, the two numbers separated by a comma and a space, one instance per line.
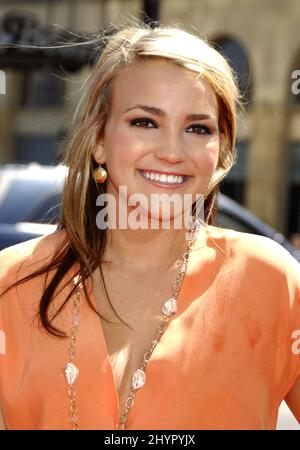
[268, 165]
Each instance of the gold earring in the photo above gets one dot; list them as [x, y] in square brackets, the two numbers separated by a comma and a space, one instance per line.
[100, 174]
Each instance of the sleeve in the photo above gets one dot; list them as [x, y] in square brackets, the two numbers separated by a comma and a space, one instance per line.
[292, 398]
[9, 305]
[15, 335]
[290, 319]
[8, 316]
[8, 276]
[277, 277]
[292, 368]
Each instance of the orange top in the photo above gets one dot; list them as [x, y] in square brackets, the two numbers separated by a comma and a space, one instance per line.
[226, 360]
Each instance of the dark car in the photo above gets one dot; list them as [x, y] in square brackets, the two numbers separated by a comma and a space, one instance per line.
[234, 216]
[30, 197]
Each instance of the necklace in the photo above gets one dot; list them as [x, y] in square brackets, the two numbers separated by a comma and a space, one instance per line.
[169, 308]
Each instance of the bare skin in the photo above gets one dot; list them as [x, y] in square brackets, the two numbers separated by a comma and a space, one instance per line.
[138, 301]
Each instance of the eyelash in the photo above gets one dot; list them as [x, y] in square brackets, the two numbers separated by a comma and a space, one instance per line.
[147, 121]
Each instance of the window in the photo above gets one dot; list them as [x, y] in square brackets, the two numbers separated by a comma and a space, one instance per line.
[235, 54]
[41, 149]
[30, 200]
[234, 183]
[42, 87]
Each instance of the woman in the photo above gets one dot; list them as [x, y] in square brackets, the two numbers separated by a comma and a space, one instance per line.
[149, 328]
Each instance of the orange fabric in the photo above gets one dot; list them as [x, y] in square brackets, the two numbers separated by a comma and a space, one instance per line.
[225, 361]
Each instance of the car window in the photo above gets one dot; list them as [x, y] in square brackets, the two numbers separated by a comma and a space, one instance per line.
[21, 198]
[47, 210]
[225, 220]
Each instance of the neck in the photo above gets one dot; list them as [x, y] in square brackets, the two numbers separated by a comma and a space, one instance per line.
[151, 250]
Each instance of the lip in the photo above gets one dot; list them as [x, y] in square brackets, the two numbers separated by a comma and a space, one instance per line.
[163, 185]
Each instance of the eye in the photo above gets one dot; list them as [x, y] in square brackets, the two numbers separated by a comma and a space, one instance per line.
[201, 129]
[143, 122]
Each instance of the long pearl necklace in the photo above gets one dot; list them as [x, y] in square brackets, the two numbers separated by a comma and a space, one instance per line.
[169, 308]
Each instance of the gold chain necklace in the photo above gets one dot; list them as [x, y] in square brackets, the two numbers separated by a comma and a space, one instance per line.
[169, 308]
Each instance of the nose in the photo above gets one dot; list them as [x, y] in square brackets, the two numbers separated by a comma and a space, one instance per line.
[171, 150]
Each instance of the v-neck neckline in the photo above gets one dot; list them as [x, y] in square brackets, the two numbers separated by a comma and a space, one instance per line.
[100, 332]
[112, 380]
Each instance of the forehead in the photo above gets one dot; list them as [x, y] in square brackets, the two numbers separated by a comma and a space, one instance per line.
[163, 83]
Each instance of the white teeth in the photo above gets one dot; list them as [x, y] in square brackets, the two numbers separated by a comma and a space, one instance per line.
[163, 178]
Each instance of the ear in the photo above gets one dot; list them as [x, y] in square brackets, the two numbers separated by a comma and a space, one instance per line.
[98, 153]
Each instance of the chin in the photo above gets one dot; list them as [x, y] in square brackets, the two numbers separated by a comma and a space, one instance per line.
[163, 220]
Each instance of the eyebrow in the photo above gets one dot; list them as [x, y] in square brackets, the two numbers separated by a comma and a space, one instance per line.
[159, 112]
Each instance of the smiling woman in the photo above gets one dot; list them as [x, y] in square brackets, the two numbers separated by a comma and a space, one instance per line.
[148, 327]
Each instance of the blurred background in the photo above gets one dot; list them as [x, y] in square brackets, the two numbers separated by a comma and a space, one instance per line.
[260, 39]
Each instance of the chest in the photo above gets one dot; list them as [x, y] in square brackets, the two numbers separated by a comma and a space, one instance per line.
[130, 317]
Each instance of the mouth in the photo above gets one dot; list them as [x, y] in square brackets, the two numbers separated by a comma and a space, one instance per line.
[164, 178]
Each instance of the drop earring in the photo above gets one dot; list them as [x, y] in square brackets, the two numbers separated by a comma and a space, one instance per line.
[100, 174]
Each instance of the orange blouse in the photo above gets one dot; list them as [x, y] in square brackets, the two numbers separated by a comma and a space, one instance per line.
[226, 361]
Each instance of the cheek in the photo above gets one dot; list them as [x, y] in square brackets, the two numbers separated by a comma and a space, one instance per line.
[121, 146]
[207, 158]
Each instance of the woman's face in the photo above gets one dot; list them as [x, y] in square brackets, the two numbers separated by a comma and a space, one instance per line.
[163, 121]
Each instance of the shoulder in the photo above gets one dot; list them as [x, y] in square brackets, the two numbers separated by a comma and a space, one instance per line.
[259, 259]
[20, 260]
[20, 293]
[249, 248]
